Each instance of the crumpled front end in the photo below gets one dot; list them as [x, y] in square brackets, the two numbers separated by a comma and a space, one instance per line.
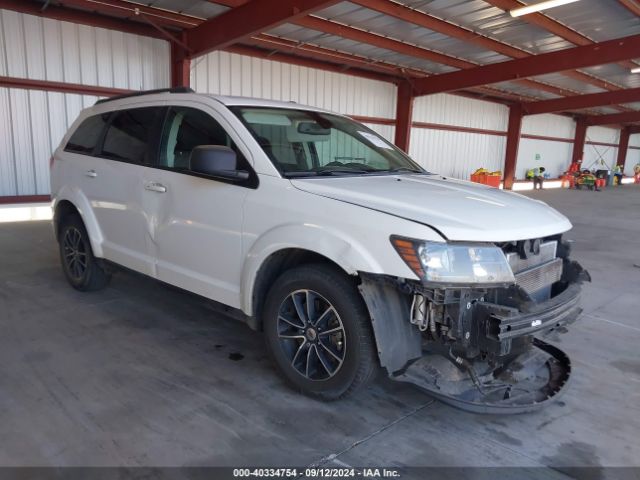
[480, 348]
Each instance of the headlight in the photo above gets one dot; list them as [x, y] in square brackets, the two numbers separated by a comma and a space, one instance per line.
[455, 263]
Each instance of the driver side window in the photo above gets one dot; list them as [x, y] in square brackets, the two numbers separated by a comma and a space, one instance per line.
[186, 128]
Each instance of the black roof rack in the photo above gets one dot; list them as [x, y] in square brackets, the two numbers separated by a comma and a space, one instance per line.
[147, 92]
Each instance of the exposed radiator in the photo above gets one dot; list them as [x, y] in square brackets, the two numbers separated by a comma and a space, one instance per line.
[536, 278]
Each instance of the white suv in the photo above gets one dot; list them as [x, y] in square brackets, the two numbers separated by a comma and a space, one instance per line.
[318, 231]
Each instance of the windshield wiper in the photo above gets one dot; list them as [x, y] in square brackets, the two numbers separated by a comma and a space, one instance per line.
[327, 173]
[403, 169]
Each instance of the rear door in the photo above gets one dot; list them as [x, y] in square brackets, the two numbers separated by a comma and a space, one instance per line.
[195, 222]
[115, 184]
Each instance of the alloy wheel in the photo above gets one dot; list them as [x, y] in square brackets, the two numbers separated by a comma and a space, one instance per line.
[311, 335]
[75, 253]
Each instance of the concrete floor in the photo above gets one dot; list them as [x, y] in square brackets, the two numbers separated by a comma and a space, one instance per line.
[143, 374]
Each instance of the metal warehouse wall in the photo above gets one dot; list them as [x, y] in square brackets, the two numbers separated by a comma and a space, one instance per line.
[554, 156]
[33, 122]
[231, 74]
[460, 134]
[458, 153]
[633, 154]
[601, 156]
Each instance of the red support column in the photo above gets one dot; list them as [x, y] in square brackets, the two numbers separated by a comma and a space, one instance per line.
[623, 146]
[513, 141]
[578, 140]
[180, 65]
[404, 115]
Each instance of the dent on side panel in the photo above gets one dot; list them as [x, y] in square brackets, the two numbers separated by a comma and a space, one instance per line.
[397, 340]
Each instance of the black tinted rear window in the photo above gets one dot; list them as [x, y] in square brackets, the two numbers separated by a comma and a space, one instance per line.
[86, 136]
[127, 138]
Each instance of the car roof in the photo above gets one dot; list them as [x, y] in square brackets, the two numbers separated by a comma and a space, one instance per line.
[260, 102]
[118, 103]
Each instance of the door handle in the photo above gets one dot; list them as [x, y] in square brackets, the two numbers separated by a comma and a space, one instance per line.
[155, 187]
[91, 173]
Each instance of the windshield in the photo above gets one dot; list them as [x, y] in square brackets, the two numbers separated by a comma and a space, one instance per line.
[306, 143]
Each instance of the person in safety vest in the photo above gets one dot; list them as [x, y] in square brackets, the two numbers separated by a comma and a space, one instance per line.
[617, 174]
[536, 174]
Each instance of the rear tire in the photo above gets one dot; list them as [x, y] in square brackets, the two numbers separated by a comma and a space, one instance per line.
[318, 332]
[82, 269]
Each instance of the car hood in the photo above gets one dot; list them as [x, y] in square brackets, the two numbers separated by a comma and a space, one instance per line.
[457, 209]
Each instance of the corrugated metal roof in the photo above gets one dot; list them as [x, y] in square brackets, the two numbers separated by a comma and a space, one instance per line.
[353, 15]
[598, 20]
[333, 42]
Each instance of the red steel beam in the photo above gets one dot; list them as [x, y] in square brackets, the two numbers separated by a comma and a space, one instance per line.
[248, 19]
[180, 65]
[404, 116]
[597, 54]
[551, 25]
[623, 146]
[614, 118]
[81, 17]
[582, 101]
[49, 86]
[513, 141]
[578, 141]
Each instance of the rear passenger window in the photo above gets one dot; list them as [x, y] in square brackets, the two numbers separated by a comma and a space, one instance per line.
[87, 135]
[128, 135]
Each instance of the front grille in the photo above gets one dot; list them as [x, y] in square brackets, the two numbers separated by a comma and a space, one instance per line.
[541, 276]
[547, 253]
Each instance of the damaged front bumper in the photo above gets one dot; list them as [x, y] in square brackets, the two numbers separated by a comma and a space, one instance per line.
[475, 348]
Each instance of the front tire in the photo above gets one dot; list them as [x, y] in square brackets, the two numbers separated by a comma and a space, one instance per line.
[318, 332]
[81, 268]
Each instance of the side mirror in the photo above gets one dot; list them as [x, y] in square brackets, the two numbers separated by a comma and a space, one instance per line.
[216, 161]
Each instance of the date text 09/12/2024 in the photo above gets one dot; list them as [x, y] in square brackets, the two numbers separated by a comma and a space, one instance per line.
[315, 473]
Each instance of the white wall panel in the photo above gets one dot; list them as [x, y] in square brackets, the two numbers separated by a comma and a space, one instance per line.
[45, 49]
[460, 111]
[549, 125]
[603, 134]
[386, 131]
[230, 74]
[555, 157]
[601, 156]
[456, 154]
[633, 158]
[33, 122]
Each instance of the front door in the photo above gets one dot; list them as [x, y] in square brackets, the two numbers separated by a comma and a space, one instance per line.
[195, 222]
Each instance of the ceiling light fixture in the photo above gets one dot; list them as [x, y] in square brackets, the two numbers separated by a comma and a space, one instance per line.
[635, 70]
[536, 7]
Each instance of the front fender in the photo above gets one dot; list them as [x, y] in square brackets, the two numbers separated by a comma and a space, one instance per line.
[345, 251]
[79, 200]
